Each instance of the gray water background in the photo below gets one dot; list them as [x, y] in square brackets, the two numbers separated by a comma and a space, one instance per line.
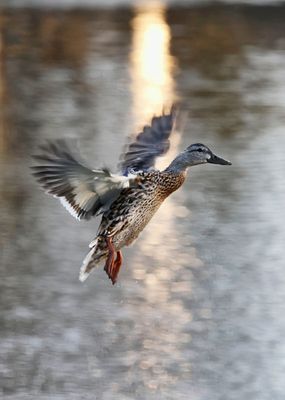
[198, 312]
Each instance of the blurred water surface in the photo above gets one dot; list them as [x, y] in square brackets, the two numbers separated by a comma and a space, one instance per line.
[198, 310]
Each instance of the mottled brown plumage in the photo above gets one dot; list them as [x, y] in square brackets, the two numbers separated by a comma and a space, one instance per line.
[134, 208]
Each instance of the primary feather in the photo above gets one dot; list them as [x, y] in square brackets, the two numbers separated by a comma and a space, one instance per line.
[149, 144]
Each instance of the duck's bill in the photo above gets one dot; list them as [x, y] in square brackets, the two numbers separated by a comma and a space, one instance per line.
[218, 160]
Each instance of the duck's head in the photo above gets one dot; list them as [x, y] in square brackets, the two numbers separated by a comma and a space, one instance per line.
[198, 153]
[195, 154]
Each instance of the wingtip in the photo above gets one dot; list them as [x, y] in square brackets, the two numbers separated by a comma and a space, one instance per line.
[174, 108]
[170, 109]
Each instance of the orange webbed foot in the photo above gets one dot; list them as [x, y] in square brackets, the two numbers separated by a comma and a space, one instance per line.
[112, 266]
[116, 268]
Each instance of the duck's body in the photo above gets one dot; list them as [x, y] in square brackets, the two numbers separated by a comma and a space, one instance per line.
[129, 214]
[134, 208]
[127, 202]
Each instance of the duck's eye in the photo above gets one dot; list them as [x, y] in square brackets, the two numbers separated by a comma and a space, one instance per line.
[200, 150]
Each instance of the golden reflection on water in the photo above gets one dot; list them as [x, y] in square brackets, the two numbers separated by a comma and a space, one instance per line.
[151, 62]
[160, 258]
[2, 93]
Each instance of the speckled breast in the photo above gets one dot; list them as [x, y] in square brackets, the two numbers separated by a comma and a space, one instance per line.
[134, 208]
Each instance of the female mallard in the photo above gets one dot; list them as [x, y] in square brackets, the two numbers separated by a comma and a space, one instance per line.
[128, 200]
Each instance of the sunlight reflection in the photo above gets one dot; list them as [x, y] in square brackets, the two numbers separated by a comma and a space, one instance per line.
[151, 63]
[4, 100]
[2, 94]
[163, 255]
[153, 88]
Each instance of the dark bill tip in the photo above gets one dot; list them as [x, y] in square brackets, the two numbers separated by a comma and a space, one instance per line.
[218, 160]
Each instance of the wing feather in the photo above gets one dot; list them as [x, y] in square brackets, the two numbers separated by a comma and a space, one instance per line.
[82, 191]
[149, 144]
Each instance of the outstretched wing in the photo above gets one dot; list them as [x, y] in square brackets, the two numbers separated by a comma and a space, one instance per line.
[84, 192]
[152, 142]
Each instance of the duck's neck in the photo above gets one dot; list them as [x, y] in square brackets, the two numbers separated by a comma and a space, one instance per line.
[179, 164]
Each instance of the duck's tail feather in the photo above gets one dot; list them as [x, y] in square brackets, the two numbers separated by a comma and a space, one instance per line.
[94, 256]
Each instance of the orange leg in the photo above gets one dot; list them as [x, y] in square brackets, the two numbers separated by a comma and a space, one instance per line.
[109, 266]
[117, 266]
